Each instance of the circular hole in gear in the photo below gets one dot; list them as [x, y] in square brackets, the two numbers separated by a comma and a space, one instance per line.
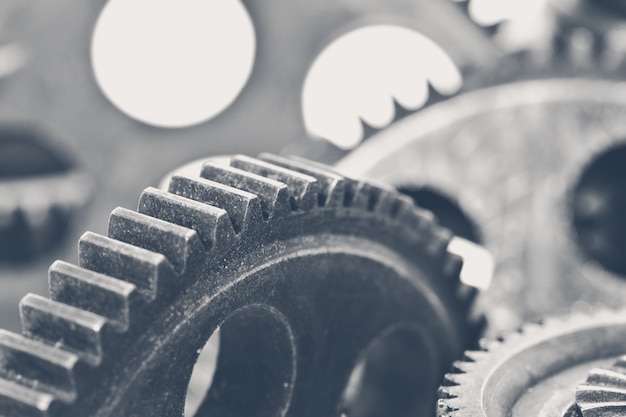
[448, 212]
[598, 207]
[394, 377]
[173, 63]
[33, 214]
[246, 368]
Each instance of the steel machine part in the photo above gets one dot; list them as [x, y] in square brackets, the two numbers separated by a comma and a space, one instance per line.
[534, 372]
[535, 170]
[307, 274]
[604, 392]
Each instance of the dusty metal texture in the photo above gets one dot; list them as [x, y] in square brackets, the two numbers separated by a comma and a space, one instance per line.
[534, 372]
[604, 392]
[307, 273]
[531, 166]
[53, 88]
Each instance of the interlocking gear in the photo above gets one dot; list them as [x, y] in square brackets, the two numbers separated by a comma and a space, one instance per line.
[519, 159]
[533, 372]
[302, 269]
[604, 392]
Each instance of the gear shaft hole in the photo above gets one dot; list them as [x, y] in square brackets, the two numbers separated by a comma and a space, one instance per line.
[394, 377]
[448, 212]
[598, 207]
[246, 368]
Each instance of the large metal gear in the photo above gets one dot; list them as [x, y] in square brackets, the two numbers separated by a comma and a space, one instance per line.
[53, 88]
[535, 371]
[307, 273]
[522, 162]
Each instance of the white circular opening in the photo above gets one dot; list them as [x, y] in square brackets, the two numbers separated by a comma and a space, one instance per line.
[173, 63]
[358, 76]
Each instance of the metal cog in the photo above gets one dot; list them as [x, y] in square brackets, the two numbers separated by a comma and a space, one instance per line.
[54, 89]
[302, 269]
[533, 372]
[520, 161]
[604, 392]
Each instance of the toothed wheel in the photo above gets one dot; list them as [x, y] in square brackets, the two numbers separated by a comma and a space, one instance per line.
[307, 274]
[536, 168]
[535, 371]
[604, 392]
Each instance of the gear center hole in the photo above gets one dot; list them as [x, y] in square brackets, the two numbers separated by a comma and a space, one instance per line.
[394, 377]
[246, 368]
[598, 207]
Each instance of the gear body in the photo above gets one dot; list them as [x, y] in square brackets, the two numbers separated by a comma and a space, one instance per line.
[301, 268]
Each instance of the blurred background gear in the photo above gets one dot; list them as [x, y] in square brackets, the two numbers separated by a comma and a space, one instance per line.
[604, 392]
[533, 171]
[51, 84]
[331, 295]
[533, 372]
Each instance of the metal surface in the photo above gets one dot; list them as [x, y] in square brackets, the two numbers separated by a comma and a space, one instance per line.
[306, 273]
[512, 157]
[604, 392]
[533, 372]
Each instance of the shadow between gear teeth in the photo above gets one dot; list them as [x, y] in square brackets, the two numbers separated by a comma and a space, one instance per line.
[303, 271]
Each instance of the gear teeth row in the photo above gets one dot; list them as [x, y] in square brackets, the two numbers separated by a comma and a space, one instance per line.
[59, 324]
[604, 392]
[149, 254]
[334, 188]
[303, 189]
[243, 207]
[273, 195]
[212, 224]
[93, 292]
[36, 365]
[150, 272]
[178, 244]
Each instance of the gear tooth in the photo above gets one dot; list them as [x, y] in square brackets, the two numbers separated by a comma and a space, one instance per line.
[304, 190]
[273, 195]
[149, 271]
[474, 355]
[58, 324]
[416, 217]
[391, 203]
[369, 195]
[334, 187]
[99, 294]
[604, 392]
[243, 207]
[34, 364]
[461, 366]
[447, 392]
[447, 406]
[212, 224]
[180, 245]
[18, 400]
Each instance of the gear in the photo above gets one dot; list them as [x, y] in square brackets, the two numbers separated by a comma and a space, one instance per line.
[303, 271]
[54, 87]
[533, 372]
[525, 163]
[604, 392]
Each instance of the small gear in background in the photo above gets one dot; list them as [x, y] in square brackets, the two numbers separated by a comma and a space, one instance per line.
[604, 392]
[51, 85]
[315, 281]
[534, 372]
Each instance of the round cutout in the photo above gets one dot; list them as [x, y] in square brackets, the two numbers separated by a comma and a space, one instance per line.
[173, 63]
